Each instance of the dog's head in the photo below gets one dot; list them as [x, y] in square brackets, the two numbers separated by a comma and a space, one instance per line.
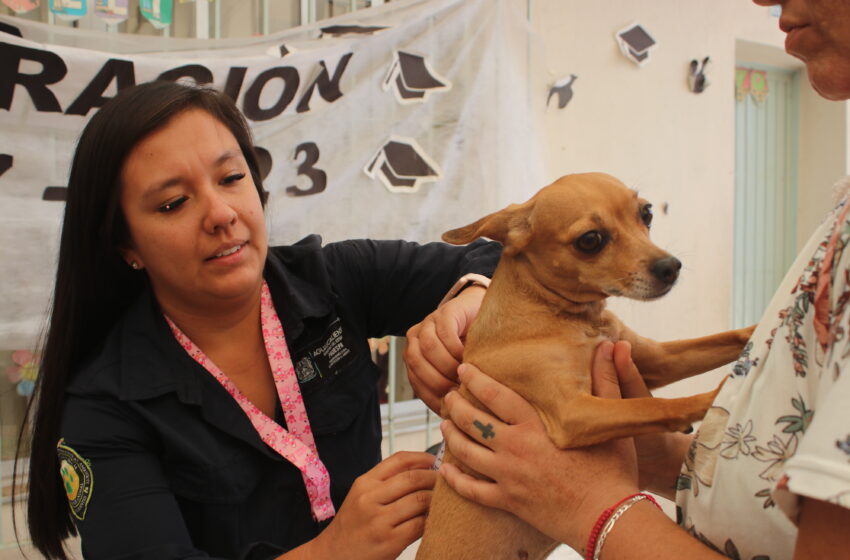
[584, 237]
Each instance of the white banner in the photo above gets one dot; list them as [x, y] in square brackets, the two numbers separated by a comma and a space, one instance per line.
[399, 121]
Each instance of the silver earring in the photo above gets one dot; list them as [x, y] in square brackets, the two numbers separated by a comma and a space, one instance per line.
[134, 265]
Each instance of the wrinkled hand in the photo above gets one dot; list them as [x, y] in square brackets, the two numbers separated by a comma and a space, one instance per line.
[435, 346]
[560, 492]
[384, 511]
[659, 455]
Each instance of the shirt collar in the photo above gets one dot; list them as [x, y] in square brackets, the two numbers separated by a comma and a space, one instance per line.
[154, 363]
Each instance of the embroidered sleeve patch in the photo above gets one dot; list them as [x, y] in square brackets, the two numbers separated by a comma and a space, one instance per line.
[76, 478]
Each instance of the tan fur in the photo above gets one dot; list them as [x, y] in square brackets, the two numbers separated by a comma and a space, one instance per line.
[537, 330]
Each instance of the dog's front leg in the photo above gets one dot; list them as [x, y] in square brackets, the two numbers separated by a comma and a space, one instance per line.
[662, 363]
[588, 420]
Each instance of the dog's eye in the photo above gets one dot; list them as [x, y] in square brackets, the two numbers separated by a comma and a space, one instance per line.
[646, 215]
[591, 242]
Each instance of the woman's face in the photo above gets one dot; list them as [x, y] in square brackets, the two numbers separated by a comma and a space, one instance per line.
[194, 214]
[818, 33]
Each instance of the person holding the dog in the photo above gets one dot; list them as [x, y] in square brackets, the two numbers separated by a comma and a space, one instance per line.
[766, 477]
[202, 394]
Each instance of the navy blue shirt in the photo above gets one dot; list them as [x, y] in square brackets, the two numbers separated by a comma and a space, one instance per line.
[176, 468]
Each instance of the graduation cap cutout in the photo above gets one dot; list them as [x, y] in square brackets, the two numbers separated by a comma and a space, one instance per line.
[635, 43]
[280, 50]
[5, 163]
[340, 30]
[412, 78]
[564, 89]
[402, 166]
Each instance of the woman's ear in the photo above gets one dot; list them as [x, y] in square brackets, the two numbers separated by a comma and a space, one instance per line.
[132, 258]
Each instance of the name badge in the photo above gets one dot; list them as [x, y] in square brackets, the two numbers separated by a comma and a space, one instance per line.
[325, 358]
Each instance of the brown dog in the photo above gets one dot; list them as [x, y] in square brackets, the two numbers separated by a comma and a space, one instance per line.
[571, 246]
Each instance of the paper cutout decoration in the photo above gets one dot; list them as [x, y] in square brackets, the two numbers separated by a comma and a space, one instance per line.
[749, 81]
[158, 12]
[68, 10]
[564, 89]
[412, 78]
[697, 80]
[112, 12]
[340, 30]
[280, 50]
[22, 6]
[5, 163]
[402, 166]
[635, 43]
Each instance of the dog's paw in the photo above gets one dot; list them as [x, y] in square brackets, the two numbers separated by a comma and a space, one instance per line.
[746, 333]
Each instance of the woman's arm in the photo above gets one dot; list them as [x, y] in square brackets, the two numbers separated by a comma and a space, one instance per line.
[393, 285]
[121, 497]
[822, 530]
[396, 286]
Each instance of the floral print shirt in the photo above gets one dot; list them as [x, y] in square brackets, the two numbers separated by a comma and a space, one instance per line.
[779, 430]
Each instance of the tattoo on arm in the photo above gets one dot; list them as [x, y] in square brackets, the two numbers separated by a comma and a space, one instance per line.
[486, 431]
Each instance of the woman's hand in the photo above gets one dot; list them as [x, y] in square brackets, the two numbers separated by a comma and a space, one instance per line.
[560, 492]
[435, 346]
[384, 511]
[660, 455]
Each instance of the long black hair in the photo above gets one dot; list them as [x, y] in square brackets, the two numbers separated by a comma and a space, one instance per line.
[94, 286]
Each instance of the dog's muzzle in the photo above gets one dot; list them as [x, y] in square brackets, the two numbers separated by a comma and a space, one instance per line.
[666, 270]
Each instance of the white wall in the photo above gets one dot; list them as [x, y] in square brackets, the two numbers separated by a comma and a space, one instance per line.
[823, 158]
[643, 125]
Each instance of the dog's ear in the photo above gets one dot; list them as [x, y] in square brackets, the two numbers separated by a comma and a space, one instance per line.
[510, 227]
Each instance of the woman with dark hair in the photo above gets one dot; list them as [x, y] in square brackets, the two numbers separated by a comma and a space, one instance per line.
[202, 394]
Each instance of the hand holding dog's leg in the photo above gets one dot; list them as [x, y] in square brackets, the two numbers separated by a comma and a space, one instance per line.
[559, 492]
[660, 456]
[435, 346]
[384, 511]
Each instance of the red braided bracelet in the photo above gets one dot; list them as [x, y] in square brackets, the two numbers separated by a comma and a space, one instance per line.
[603, 518]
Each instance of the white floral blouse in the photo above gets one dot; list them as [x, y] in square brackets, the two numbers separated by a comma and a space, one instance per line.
[780, 428]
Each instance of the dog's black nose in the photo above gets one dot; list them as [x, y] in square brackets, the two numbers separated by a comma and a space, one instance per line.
[666, 269]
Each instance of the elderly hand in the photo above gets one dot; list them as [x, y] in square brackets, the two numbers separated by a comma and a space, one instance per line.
[660, 455]
[435, 346]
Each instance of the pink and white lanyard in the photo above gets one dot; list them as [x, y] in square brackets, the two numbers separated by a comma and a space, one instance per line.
[296, 445]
